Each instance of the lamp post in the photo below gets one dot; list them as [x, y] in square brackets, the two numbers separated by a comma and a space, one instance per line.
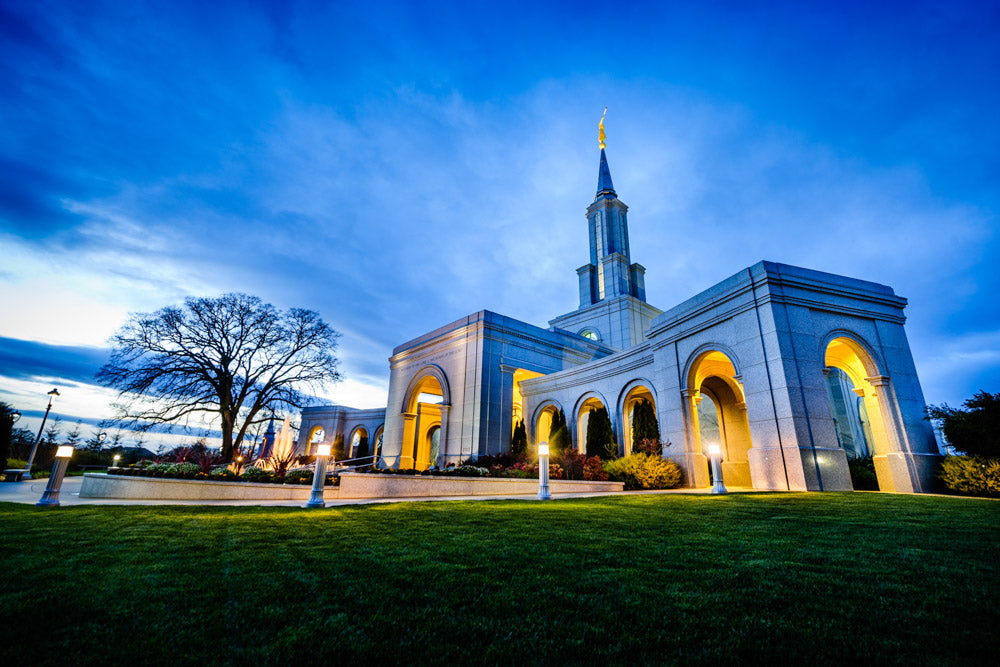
[115, 459]
[543, 471]
[51, 496]
[319, 477]
[31, 459]
[715, 452]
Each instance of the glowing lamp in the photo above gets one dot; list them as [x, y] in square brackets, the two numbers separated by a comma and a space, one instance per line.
[319, 477]
[543, 471]
[115, 458]
[322, 450]
[64, 451]
[714, 450]
[715, 454]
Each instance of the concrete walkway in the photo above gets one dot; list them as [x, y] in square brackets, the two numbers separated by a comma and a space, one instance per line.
[30, 492]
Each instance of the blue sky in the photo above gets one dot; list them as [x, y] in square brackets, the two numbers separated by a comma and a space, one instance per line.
[397, 166]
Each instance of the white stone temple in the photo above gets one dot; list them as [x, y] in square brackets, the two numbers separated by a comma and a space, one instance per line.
[788, 370]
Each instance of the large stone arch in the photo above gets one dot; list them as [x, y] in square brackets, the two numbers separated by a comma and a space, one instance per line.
[361, 431]
[312, 440]
[871, 406]
[629, 394]
[420, 418]
[539, 427]
[713, 373]
[430, 370]
[578, 421]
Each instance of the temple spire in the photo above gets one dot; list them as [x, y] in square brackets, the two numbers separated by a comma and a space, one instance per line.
[604, 184]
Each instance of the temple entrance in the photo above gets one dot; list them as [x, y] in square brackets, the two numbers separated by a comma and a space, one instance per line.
[719, 408]
[422, 426]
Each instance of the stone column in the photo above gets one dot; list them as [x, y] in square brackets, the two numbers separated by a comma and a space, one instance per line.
[443, 450]
[697, 462]
[407, 450]
[898, 469]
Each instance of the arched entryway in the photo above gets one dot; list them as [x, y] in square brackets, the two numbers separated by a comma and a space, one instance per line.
[719, 414]
[853, 382]
[427, 399]
[542, 423]
[587, 402]
[377, 443]
[634, 394]
[359, 443]
[316, 436]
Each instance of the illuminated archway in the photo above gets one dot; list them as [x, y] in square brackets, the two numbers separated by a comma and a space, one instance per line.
[517, 401]
[316, 436]
[376, 444]
[850, 369]
[422, 408]
[590, 400]
[542, 422]
[359, 440]
[719, 414]
[631, 395]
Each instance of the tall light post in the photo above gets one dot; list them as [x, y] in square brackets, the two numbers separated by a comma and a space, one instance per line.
[543, 471]
[31, 459]
[51, 496]
[715, 452]
[319, 477]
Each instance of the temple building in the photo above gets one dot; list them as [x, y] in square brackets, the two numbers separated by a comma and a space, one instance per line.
[789, 371]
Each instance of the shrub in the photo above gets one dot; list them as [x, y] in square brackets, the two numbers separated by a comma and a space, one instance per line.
[647, 446]
[183, 469]
[600, 435]
[471, 471]
[575, 465]
[863, 473]
[971, 475]
[644, 471]
[519, 439]
[299, 476]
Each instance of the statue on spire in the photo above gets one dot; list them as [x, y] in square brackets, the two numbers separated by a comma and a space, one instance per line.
[600, 134]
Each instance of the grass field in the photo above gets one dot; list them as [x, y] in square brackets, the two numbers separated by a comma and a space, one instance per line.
[787, 578]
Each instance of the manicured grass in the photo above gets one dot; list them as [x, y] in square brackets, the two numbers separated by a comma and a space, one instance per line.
[787, 578]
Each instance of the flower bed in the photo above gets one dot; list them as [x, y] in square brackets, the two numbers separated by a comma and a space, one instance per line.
[303, 476]
[138, 487]
[365, 485]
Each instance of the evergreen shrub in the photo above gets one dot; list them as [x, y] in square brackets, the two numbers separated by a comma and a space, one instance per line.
[971, 475]
[863, 473]
[644, 471]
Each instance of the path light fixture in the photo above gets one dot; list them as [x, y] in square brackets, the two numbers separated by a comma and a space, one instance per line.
[115, 460]
[715, 453]
[50, 498]
[543, 471]
[31, 459]
[319, 477]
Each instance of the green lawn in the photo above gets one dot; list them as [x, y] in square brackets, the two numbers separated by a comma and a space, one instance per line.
[788, 578]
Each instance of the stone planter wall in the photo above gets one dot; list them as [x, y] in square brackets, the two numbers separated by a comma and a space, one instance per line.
[155, 488]
[368, 485]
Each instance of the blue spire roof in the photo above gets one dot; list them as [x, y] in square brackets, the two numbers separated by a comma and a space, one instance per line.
[604, 184]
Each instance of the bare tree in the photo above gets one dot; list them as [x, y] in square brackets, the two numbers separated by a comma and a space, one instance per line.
[233, 357]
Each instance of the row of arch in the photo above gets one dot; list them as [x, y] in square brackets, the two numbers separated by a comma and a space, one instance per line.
[358, 444]
[714, 401]
[716, 410]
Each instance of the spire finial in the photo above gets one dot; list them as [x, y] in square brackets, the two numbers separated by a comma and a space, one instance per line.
[600, 126]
